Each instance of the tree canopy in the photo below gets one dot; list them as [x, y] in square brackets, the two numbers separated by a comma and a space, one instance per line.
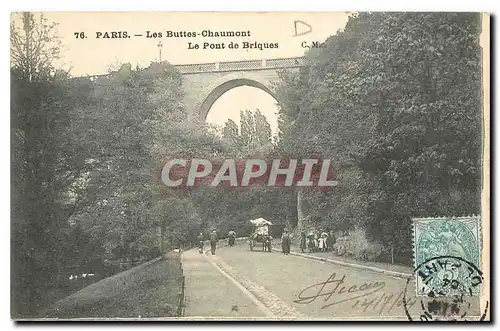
[395, 99]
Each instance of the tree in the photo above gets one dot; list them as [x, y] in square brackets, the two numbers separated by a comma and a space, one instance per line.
[127, 144]
[262, 129]
[391, 99]
[230, 132]
[247, 124]
[34, 46]
[39, 122]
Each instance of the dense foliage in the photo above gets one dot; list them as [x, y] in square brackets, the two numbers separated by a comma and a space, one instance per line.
[395, 99]
[84, 155]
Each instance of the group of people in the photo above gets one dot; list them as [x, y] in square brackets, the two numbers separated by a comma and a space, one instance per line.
[213, 241]
[213, 238]
[314, 241]
[317, 241]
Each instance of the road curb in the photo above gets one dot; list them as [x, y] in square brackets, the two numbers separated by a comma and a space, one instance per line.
[323, 259]
[273, 306]
[351, 265]
[240, 286]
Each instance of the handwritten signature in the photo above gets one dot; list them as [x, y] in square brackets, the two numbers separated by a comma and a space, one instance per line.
[365, 295]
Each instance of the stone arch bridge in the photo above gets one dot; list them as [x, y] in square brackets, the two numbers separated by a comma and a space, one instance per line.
[204, 83]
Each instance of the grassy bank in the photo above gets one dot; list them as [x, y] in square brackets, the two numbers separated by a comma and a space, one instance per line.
[148, 290]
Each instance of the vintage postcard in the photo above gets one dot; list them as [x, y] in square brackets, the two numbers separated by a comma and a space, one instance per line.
[250, 166]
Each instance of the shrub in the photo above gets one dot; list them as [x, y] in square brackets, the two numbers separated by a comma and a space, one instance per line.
[356, 245]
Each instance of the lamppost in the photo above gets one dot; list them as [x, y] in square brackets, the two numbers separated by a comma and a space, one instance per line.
[160, 45]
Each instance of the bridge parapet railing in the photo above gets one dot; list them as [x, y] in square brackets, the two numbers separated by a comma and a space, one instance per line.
[193, 68]
[242, 65]
[239, 65]
[219, 66]
[286, 63]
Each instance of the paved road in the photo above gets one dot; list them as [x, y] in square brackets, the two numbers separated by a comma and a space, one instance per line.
[210, 293]
[286, 286]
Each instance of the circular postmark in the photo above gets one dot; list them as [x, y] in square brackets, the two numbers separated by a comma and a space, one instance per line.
[447, 288]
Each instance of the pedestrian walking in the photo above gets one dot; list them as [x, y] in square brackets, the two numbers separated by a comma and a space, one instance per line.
[323, 241]
[213, 241]
[303, 241]
[311, 242]
[232, 238]
[200, 242]
[285, 242]
[331, 240]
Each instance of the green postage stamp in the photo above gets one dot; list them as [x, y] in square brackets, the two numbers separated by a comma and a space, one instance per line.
[455, 237]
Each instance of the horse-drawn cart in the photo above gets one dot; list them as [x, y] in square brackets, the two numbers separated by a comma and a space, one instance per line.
[260, 234]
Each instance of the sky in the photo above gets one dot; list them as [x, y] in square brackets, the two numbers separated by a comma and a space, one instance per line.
[243, 98]
[91, 55]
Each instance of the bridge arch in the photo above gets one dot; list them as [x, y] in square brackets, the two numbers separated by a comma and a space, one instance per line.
[218, 91]
[204, 83]
[209, 88]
